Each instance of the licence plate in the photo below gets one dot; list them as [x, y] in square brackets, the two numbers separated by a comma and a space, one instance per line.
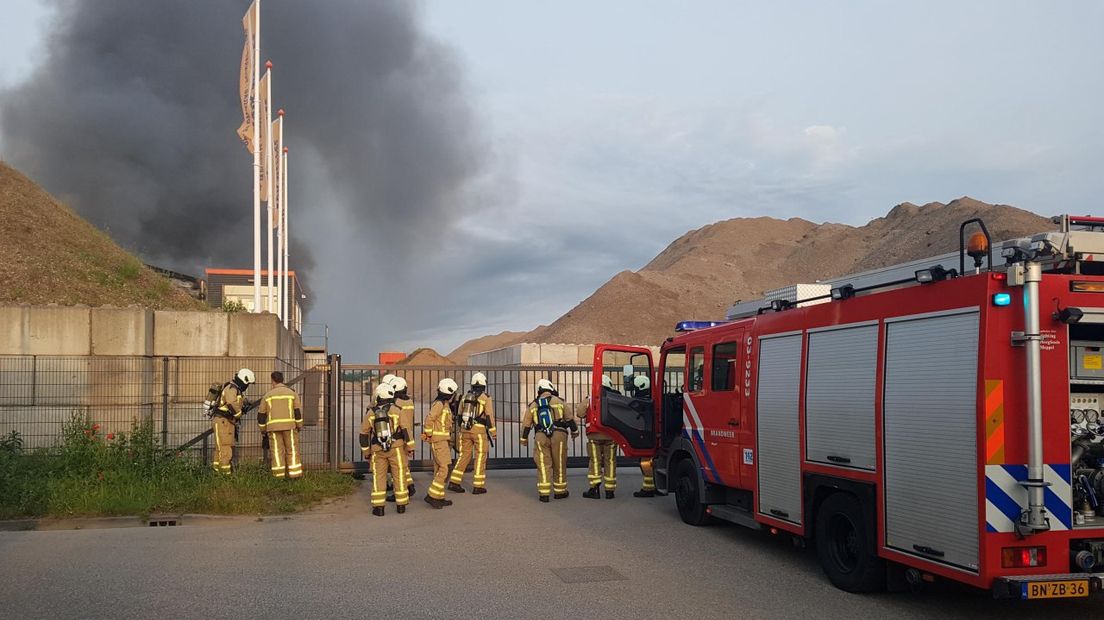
[1056, 589]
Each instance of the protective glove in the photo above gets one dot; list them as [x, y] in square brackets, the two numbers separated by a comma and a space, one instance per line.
[524, 441]
[574, 434]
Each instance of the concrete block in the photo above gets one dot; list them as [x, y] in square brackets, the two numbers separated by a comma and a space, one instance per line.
[253, 335]
[57, 331]
[62, 381]
[40, 427]
[12, 329]
[16, 381]
[527, 353]
[190, 333]
[585, 354]
[118, 381]
[122, 331]
[559, 354]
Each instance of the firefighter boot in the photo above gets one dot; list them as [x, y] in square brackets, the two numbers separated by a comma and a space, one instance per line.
[592, 493]
[446, 502]
[479, 491]
[455, 488]
[644, 493]
[544, 498]
[378, 511]
[609, 494]
[400, 509]
[562, 495]
[434, 503]
[410, 490]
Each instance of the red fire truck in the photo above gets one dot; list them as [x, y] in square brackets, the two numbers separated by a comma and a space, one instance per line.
[945, 424]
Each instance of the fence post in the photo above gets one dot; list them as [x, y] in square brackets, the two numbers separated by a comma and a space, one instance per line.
[165, 401]
[333, 383]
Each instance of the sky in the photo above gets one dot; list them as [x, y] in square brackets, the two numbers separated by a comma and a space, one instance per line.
[600, 132]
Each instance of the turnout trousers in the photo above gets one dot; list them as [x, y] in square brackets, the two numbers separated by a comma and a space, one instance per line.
[603, 464]
[647, 470]
[224, 444]
[286, 460]
[559, 461]
[385, 462]
[441, 462]
[473, 447]
[542, 456]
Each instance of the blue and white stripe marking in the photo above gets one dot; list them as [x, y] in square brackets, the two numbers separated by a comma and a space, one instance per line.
[693, 430]
[1006, 498]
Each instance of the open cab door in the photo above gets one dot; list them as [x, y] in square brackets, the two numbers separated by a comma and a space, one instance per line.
[626, 410]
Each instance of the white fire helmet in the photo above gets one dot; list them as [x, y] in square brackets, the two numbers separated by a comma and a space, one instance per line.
[447, 386]
[641, 382]
[479, 379]
[246, 376]
[607, 382]
[384, 392]
[544, 385]
[399, 384]
[388, 378]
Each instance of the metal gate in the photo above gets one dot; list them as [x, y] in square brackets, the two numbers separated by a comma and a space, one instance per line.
[511, 387]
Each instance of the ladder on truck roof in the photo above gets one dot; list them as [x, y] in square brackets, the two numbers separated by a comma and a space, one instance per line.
[1076, 247]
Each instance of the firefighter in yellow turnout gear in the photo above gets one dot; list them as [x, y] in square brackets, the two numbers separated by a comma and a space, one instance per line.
[643, 387]
[406, 419]
[383, 439]
[477, 431]
[226, 411]
[548, 416]
[436, 430]
[602, 453]
[280, 415]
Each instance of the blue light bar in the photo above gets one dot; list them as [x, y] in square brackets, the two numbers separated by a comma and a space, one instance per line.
[1002, 299]
[689, 326]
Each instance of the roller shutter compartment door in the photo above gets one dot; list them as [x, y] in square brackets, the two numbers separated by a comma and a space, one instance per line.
[839, 396]
[930, 435]
[778, 433]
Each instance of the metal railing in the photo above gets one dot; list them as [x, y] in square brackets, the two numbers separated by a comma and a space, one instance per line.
[40, 394]
[513, 388]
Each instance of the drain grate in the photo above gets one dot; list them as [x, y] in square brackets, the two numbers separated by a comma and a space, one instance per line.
[588, 574]
[163, 522]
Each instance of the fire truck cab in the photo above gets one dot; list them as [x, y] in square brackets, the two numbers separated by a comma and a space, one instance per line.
[947, 423]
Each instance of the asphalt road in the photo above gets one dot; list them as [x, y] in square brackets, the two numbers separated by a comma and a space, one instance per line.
[499, 555]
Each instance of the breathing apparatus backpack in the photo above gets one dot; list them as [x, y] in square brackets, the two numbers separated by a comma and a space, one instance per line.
[383, 433]
[469, 411]
[214, 395]
[544, 416]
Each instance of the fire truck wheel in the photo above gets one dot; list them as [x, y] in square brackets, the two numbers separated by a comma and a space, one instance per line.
[845, 547]
[687, 497]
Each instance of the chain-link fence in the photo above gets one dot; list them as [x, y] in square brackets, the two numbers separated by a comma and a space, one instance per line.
[40, 394]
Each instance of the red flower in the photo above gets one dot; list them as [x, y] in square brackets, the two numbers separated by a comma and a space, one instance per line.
[95, 427]
[111, 435]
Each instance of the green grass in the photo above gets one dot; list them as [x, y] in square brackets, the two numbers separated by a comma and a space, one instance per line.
[90, 475]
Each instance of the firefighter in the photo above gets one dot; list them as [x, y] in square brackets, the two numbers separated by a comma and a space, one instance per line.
[436, 430]
[383, 439]
[228, 410]
[406, 405]
[642, 389]
[280, 416]
[547, 415]
[477, 431]
[603, 455]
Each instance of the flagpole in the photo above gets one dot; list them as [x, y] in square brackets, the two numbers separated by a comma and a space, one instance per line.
[269, 292]
[284, 232]
[257, 161]
[278, 154]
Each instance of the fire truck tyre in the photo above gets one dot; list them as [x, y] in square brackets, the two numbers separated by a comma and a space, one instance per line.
[687, 497]
[845, 547]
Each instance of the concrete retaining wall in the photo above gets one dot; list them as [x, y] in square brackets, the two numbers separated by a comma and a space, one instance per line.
[57, 330]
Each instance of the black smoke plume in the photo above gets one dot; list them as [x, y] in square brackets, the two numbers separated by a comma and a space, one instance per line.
[131, 119]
